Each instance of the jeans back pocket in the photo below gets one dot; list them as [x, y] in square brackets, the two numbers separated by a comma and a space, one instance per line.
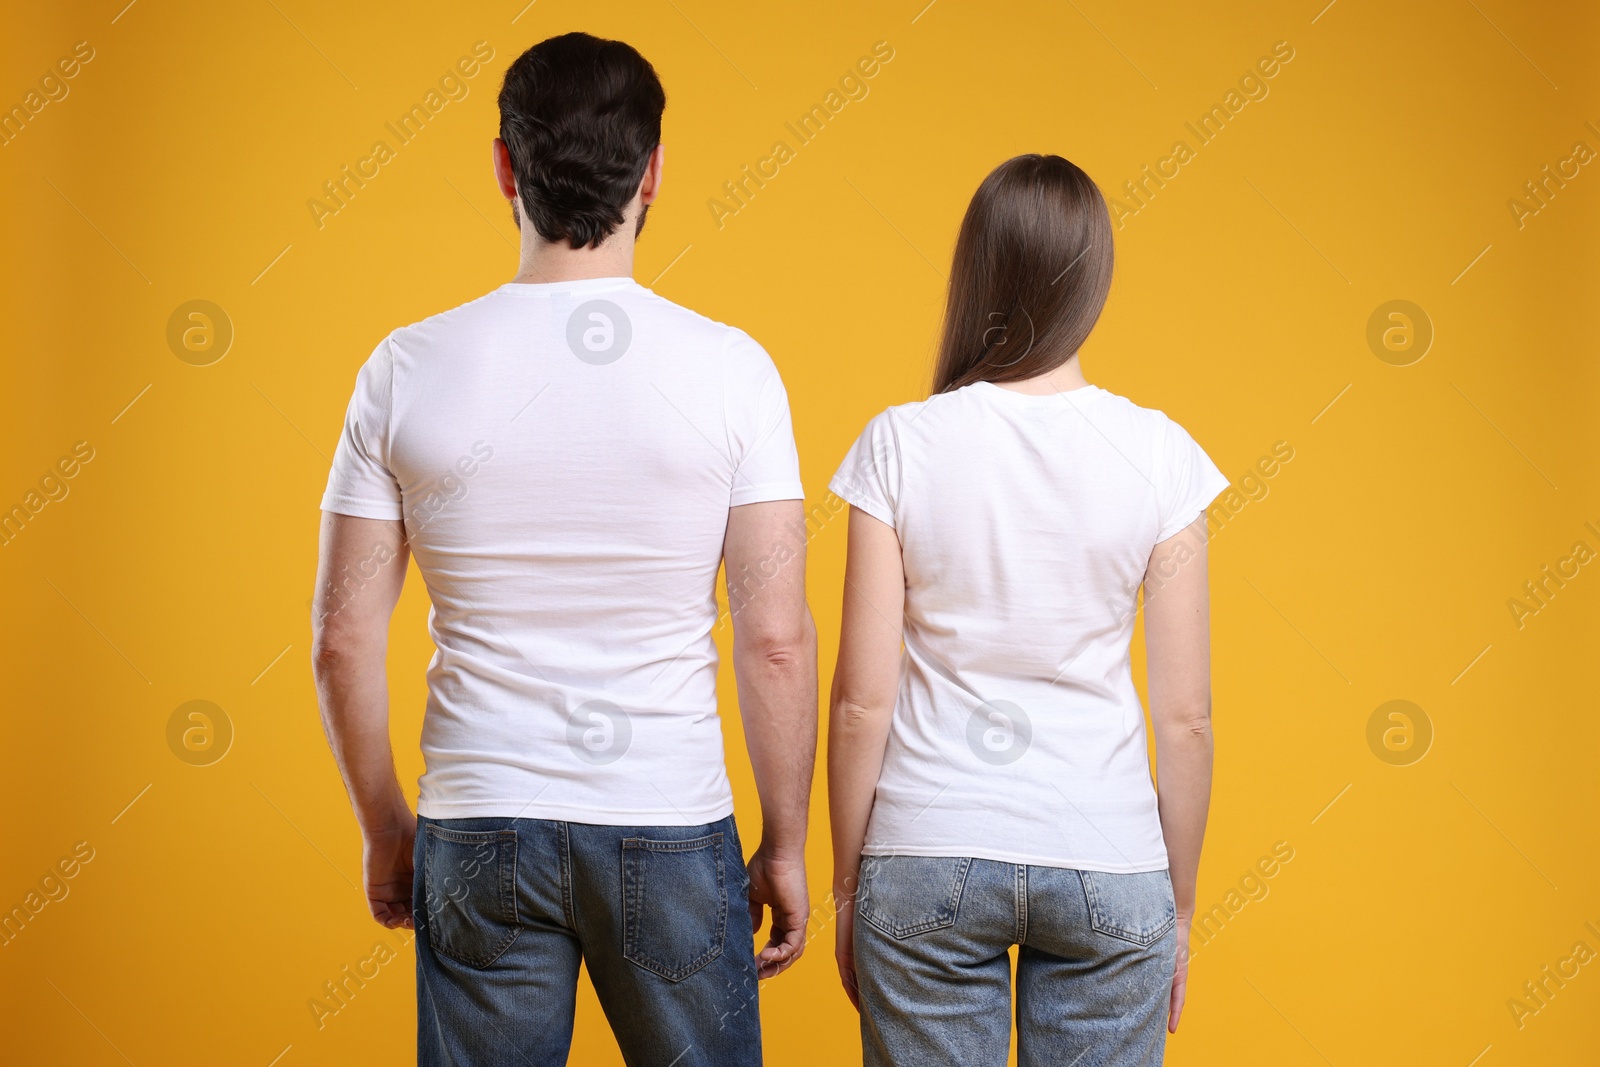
[469, 900]
[907, 895]
[1133, 907]
[674, 904]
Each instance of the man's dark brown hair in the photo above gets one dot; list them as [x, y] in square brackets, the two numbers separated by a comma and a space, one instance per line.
[580, 116]
[1030, 276]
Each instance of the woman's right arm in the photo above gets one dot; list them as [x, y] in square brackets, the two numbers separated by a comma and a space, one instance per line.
[865, 683]
[1177, 635]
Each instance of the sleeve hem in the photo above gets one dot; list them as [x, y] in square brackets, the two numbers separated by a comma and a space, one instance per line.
[362, 509]
[859, 500]
[1194, 507]
[760, 494]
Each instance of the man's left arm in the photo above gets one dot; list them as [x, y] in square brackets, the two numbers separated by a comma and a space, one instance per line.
[775, 668]
[361, 567]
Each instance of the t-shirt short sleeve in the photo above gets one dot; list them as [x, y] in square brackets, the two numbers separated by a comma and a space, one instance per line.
[869, 477]
[1186, 481]
[766, 463]
[360, 482]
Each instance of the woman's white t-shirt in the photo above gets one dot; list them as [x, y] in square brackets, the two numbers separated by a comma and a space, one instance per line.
[1026, 523]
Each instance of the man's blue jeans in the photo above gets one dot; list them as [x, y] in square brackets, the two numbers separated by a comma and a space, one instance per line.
[506, 909]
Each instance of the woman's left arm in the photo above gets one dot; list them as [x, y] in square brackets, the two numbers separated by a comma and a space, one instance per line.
[1177, 635]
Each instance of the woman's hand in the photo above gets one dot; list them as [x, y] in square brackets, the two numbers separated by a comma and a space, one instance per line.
[1180, 973]
[844, 946]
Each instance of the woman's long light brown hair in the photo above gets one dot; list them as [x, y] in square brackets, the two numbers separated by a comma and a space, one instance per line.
[1031, 272]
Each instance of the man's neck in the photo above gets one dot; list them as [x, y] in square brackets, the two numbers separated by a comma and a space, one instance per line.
[556, 261]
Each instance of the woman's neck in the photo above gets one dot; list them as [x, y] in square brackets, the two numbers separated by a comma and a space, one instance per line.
[1062, 379]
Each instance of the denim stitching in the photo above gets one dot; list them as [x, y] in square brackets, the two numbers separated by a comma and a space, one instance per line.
[945, 916]
[567, 910]
[508, 884]
[1109, 926]
[634, 901]
[1022, 903]
[505, 888]
[632, 896]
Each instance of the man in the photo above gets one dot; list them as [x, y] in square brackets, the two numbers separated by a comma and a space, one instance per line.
[569, 458]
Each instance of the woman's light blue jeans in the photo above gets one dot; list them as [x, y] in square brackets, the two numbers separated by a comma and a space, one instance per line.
[932, 942]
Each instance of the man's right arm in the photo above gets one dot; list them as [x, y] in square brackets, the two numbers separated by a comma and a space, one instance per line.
[775, 664]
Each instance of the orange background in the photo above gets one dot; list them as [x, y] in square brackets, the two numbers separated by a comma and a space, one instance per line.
[1378, 566]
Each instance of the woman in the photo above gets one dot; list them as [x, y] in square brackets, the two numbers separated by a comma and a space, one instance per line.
[991, 787]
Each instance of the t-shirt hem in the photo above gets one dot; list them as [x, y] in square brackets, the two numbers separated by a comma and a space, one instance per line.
[361, 509]
[521, 809]
[1195, 508]
[856, 499]
[1001, 855]
[760, 494]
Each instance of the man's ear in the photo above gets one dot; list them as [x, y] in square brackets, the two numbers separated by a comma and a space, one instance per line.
[650, 186]
[504, 175]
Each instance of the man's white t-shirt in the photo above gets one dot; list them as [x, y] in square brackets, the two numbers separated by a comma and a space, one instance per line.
[1026, 524]
[564, 456]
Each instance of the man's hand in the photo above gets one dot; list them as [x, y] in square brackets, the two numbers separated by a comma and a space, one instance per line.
[1180, 974]
[779, 883]
[386, 870]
